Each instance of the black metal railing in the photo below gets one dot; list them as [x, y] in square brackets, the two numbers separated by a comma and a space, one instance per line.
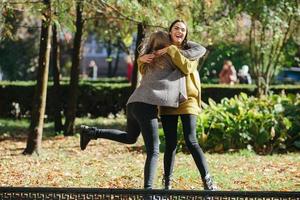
[41, 193]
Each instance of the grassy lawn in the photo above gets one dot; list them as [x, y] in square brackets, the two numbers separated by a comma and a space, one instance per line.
[108, 164]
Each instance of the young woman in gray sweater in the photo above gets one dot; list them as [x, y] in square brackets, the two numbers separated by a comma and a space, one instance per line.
[162, 84]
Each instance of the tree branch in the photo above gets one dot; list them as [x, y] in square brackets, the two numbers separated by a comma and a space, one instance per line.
[255, 71]
[254, 49]
[120, 15]
[120, 18]
[24, 2]
[271, 53]
[262, 42]
[284, 41]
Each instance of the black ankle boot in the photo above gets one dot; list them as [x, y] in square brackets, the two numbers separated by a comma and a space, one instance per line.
[208, 183]
[86, 134]
[167, 183]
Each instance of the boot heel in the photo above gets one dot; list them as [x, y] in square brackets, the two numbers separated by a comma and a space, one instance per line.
[86, 134]
[208, 183]
[166, 182]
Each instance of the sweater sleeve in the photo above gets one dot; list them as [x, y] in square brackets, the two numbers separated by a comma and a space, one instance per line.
[194, 52]
[185, 65]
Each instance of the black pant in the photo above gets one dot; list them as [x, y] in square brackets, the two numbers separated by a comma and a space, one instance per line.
[169, 123]
[141, 117]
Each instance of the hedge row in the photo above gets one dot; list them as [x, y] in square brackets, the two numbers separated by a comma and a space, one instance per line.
[95, 100]
[102, 98]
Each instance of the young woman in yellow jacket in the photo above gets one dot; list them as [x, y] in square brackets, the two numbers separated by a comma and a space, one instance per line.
[187, 111]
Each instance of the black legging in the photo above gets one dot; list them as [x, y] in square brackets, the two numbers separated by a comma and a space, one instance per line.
[169, 123]
[141, 117]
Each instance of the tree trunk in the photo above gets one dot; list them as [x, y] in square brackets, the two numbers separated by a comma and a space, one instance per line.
[116, 62]
[139, 38]
[34, 139]
[109, 59]
[260, 91]
[73, 88]
[56, 80]
[253, 59]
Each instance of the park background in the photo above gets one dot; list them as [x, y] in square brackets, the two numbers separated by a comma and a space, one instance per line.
[64, 63]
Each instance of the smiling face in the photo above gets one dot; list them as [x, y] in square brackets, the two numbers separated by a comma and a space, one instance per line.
[178, 33]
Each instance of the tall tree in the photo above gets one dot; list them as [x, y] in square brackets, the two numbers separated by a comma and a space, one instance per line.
[63, 17]
[139, 38]
[109, 47]
[117, 57]
[39, 104]
[272, 23]
[69, 126]
[56, 96]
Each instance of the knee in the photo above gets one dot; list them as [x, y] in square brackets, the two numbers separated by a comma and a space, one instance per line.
[132, 140]
[170, 147]
[171, 144]
[154, 152]
[191, 143]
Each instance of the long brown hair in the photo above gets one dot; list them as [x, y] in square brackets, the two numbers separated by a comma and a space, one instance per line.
[154, 42]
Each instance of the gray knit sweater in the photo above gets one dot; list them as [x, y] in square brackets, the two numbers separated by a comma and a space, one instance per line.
[163, 84]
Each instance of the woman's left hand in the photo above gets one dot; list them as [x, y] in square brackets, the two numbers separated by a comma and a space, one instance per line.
[161, 51]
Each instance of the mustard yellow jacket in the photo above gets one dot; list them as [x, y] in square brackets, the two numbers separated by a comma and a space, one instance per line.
[193, 87]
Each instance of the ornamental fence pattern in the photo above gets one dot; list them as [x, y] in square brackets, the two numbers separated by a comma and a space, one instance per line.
[41, 193]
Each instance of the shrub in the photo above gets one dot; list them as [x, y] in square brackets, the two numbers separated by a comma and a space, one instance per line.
[104, 96]
[265, 125]
[94, 99]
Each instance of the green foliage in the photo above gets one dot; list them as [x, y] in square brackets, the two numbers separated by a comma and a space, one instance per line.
[9, 127]
[264, 125]
[107, 95]
[289, 55]
[63, 16]
[272, 23]
[107, 80]
[210, 22]
[95, 98]
[237, 53]
[19, 38]
[19, 58]
[19, 52]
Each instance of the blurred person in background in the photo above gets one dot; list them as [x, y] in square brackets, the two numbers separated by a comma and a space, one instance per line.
[228, 73]
[244, 76]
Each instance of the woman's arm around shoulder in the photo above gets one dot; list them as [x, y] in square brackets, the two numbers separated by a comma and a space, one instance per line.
[184, 64]
[194, 51]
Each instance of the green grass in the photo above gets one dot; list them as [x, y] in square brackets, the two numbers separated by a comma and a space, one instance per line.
[19, 128]
[10, 127]
[108, 164]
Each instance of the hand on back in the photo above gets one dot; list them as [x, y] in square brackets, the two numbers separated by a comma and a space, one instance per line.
[148, 58]
[161, 51]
